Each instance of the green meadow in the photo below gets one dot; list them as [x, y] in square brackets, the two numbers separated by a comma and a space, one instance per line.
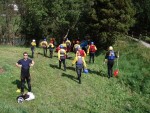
[57, 91]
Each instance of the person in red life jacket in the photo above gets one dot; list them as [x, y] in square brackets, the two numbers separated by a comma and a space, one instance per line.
[62, 57]
[91, 51]
[25, 65]
[81, 51]
[109, 59]
[80, 63]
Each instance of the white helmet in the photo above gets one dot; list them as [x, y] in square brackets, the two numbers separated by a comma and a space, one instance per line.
[110, 48]
[33, 40]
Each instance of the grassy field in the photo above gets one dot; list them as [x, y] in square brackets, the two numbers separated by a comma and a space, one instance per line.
[57, 91]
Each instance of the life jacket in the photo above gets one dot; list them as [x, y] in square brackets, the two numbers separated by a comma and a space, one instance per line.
[111, 55]
[62, 52]
[44, 44]
[33, 44]
[82, 53]
[92, 48]
[79, 61]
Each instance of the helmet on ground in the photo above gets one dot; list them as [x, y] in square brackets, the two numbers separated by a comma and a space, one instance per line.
[20, 100]
[86, 71]
[110, 48]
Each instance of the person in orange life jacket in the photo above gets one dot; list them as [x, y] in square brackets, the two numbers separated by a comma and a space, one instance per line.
[25, 65]
[51, 49]
[33, 45]
[91, 51]
[44, 45]
[80, 63]
[62, 57]
[109, 59]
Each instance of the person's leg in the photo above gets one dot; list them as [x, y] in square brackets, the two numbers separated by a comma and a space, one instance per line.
[80, 70]
[29, 83]
[22, 84]
[90, 58]
[109, 69]
[93, 55]
[44, 51]
[60, 64]
[64, 63]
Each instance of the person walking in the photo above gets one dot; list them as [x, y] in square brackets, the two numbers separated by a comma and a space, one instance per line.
[25, 65]
[62, 57]
[109, 59]
[51, 49]
[80, 63]
[33, 45]
[91, 51]
[44, 46]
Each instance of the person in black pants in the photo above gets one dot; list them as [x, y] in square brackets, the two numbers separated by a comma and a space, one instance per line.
[33, 45]
[25, 65]
[109, 58]
[62, 57]
[91, 51]
[80, 64]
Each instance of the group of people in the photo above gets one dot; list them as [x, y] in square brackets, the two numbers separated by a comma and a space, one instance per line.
[62, 51]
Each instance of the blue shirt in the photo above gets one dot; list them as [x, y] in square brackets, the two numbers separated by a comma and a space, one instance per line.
[25, 64]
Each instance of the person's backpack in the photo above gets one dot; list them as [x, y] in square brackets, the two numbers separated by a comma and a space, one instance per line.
[92, 48]
[82, 53]
[111, 55]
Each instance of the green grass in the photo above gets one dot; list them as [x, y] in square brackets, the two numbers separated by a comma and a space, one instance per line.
[57, 91]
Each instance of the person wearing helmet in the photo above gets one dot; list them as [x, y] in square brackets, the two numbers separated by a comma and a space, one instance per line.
[80, 63]
[44, 45]
[33, 45]
[91, 51]
[76, 46]
[25, 65]
[109, 59]
[62, 57]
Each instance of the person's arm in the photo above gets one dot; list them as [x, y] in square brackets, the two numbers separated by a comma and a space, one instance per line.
[106, 57]
[84, 54]
[32, 63]
[117, 54]
[59, 55]
[88, 49]
[95, 48]
[84, 63]
[18, 64]
[74, 61]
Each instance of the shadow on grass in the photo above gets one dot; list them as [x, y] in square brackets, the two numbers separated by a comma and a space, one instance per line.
[71, 68]
[54, 66]
[98, 73]
[70, 77]
[18, 83]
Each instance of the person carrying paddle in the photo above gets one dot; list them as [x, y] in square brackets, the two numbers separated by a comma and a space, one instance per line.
[25, 65]
[33, 44]
[62, 57]
[91, 51]
[80, 63]
[44, 46]
[109, 59]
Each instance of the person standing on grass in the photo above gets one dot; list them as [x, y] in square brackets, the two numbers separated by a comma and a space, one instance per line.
[62, 57]
[91, 51]
[80, 63]
[51, 49]
[25, 65]
[33, 45]
[109, 59]
[44, 45]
